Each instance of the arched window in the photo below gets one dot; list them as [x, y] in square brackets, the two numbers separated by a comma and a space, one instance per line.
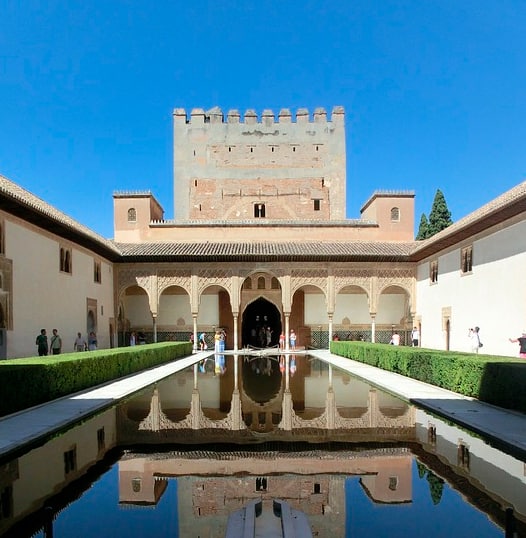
[261, 283]
[395, 214]
[132, 215]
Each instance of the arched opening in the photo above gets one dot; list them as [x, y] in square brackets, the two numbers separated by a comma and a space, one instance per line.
[258, 317]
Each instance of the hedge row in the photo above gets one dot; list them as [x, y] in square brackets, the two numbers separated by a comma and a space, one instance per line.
[496, 380]
[32, 381]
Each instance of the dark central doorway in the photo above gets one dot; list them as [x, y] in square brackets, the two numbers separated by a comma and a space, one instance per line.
[258, 317]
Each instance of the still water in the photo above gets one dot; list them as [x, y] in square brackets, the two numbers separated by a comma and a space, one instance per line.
[179, 457]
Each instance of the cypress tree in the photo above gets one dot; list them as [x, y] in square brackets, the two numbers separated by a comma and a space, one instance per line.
[423, 229]
[440, 216]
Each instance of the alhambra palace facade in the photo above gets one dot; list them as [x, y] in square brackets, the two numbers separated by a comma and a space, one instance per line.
[260, 239]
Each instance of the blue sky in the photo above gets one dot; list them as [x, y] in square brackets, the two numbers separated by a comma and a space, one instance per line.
[434, 91]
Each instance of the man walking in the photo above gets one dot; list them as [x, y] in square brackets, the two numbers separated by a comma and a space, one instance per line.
[56, 343]
[41, 342]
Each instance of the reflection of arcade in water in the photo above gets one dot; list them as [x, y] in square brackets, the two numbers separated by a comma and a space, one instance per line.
[279, 397]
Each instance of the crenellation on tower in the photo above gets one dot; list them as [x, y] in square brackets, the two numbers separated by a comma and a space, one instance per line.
[233, 116]
[267, 118]
[251, 117]
[320, 115]
[285, 116]
[302, 115]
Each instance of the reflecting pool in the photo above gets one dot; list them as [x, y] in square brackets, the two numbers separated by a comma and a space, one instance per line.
[182, 455]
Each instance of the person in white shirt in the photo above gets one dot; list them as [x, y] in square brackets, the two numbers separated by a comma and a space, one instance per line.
[415, 337]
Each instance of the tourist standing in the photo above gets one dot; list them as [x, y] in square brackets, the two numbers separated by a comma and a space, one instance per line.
[80, 343]
[522, 344]
[41, 343]
[282, 340]
[474, 338]
[92, 341]
[292, 339]
[56, 343]
[395, 339]
[415, 337]
[133, 339]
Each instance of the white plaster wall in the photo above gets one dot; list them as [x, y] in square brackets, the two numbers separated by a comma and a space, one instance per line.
[492, 297]
[137, 310]
[353, 306]
[315, 309]
[208, 310]
[44, 297]
[172, 308]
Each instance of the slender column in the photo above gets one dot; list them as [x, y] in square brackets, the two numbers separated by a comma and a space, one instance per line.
[194, 320]
[287, 340]
[373, 329]
[154, 328]
[235, 333]
[330, 329]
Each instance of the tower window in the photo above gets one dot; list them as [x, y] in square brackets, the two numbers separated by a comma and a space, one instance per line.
[259, 210]
[317, 205]
[395, 214]
[132, 215]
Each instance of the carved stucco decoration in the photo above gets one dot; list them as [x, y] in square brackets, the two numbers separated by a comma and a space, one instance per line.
[165, 279]
[308, 277]
[132, 277]
[215, 277]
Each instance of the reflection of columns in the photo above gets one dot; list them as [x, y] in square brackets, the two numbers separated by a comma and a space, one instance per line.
[195, 375]
[373, 328]
[287, 375]
[330, 408]
[194, 320]
[154, 317]
[236, 414]
[195, 409]
[235, 332]
[373, 408]
[155, 411]
[330, 375]
[236, 371]
[287, 340]
[286, 411]
[330, 329]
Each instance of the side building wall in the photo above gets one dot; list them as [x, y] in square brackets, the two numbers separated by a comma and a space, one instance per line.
[38, 293]
[491, 295]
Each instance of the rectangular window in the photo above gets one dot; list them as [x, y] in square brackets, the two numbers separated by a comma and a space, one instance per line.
[97, 274]
[466, 259]
[317, 205]
[433, 271]
[65, 260]
[70, 461]
[259, 211]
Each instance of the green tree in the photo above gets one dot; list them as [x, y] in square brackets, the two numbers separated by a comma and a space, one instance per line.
[440, 216]
[423, 229]
[436, 487]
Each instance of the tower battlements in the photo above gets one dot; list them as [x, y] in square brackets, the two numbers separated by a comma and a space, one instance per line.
[199, 116]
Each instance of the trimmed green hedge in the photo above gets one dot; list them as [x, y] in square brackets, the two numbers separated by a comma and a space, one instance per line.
[500, 381]
[32, 381]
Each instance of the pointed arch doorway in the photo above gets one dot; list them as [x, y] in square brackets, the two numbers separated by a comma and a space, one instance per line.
[257, 317]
